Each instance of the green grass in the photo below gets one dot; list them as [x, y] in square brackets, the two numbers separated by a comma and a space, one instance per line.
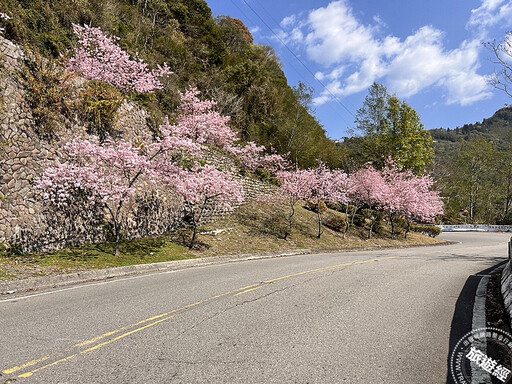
[260, 227]
[254, 228]
[92, 256]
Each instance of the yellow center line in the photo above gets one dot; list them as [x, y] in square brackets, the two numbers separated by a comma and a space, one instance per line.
[96, 347]
[249, 290]
[29, 364]
[161, 318]
[116, 331]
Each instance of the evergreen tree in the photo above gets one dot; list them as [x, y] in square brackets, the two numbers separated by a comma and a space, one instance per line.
[391, 128]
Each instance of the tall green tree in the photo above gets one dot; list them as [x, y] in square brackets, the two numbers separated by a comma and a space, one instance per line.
[390, 127]
[471, 187]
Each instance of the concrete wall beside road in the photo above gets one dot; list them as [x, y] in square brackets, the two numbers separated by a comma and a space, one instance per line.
[476, 228]
[506, 282]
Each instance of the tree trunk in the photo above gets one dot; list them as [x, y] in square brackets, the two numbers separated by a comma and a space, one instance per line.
[118, 238]
[290, 222]
[371, 227]
[392, 226]
[194, 237]
[347, 223]
[408, 228]
[319, 219]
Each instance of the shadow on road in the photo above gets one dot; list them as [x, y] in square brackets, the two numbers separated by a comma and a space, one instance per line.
[463, 316]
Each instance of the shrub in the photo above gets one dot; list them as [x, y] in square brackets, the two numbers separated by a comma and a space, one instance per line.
[265, 175]
[351, 209]
[400, 224]
[429, 230]
[313, 206]
[98, 106]
[368, 213]
[378, 226]
[359, 220]
[335, 222]
[335, 206]
[49, 90]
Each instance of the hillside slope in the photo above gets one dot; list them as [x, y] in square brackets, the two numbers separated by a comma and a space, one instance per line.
[216, 55]
[496, 129]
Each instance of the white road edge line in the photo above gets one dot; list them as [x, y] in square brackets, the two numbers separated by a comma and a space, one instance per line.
[90, 285]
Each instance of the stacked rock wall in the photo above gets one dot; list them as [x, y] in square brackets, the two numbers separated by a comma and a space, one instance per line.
[25, 221]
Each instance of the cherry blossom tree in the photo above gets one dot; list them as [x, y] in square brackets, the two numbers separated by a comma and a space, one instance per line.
[199, 121]
[340, 187]
[253, 156]
[427, 204]
[409, 196]
[295, 186]
[97, 56]
[322, 190]
[367, 188]
[205, 188]
[399, 194]
[108, 174]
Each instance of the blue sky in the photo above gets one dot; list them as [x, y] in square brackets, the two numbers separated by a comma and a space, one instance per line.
[429, 53]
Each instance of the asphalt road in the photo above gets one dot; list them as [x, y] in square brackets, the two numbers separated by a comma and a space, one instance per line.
[358, 317]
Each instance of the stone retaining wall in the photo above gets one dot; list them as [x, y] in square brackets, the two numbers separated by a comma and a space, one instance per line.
[25, 221]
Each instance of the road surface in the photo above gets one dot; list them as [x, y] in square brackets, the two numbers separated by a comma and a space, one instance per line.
[358, 317]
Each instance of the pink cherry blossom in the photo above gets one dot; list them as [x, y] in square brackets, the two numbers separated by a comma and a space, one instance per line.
[97, 56]
[295, 186]
[198, 121]
[205, 188]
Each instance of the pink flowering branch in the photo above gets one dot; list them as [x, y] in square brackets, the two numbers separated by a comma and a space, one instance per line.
[295, 186]
[205, 188]
[97, 56]
[198, 121]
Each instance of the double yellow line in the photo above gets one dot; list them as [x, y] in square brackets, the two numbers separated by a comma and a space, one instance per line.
[131, 329]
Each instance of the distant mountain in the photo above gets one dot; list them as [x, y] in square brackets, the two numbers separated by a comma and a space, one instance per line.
[496, 129]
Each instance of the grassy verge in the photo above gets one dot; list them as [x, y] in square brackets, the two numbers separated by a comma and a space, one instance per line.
[255, 227]
[93, 256]
[259, 228]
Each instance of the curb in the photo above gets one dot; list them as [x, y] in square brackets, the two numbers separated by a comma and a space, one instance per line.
[57, 281]
[49, 282]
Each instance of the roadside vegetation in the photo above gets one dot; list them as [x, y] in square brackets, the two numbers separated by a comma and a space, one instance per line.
[251, 229]
[101, 179]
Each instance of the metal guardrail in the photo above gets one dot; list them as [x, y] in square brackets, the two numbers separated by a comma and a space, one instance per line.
[476, 228]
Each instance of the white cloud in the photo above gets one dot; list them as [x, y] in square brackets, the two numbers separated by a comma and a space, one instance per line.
[320, 76]
[489, 14]
[355, 55]
[287, 21]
